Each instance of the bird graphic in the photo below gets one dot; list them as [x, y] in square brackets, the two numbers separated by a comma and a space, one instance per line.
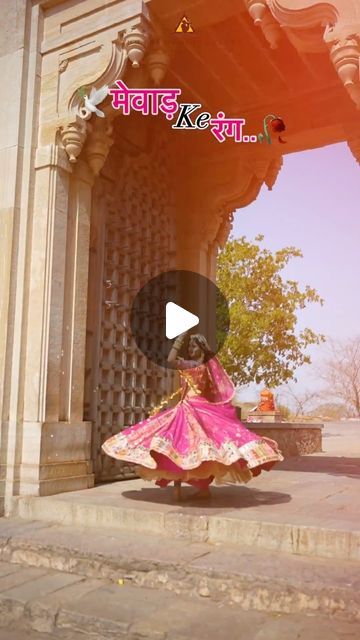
[96, 97]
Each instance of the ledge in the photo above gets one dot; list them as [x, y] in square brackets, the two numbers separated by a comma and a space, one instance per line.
[293, 438]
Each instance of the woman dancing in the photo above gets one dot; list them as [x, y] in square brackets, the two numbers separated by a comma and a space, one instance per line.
[200, 440]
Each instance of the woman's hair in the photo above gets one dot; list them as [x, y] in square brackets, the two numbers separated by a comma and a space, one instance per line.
[202, 343]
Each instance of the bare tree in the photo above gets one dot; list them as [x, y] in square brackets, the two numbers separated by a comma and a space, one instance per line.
[341, 373]
[303, 402]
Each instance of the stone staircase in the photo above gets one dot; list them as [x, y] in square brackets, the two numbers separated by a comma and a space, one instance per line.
[111, 583]
[111, 561]
[253, 578]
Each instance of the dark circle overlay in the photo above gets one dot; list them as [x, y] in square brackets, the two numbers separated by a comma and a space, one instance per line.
[189, 290]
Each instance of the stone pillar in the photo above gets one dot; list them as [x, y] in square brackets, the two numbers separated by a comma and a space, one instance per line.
[19, 66]
[196, 251]
[75, 304]
[56, 442]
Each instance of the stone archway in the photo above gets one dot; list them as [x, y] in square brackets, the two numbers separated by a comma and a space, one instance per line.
[56, 152]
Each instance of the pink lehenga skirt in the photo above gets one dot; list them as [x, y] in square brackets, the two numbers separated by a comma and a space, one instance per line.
[197, 442]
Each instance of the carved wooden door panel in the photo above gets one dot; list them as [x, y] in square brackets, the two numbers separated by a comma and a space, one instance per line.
[132, 240]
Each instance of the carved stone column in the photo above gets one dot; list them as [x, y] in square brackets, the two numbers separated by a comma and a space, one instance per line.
[46, 284]
[53, 458]
[193, 252]
[56, 442]
[75, 304]
[77, 267]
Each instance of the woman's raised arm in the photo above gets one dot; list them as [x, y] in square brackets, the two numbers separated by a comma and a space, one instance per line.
[173, 355]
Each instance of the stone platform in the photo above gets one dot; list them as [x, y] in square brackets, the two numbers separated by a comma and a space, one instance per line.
[293, 438]
[307, 505]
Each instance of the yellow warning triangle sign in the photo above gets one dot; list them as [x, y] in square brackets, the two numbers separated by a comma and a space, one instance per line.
[184, 26]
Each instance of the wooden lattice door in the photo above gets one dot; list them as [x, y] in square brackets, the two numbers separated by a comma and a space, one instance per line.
[132, 240]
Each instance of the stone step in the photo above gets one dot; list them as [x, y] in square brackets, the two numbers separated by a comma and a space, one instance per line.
[248, 578]
[68, 606]
[272, 520]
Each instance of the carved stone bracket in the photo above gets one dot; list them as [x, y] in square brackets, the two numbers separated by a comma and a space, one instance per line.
[135, 41]
[339, 18]
[262, 17]
[128, 43]
[132, 44]
[98, 143]
[273, 172]
[157, 63]
[267, 170]
[354, 146]
[222, 185]
[305, 14]
[73, 137]
[345, 56]
[224, 228]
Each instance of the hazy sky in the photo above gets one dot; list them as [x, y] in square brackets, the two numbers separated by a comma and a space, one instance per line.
[315, 206]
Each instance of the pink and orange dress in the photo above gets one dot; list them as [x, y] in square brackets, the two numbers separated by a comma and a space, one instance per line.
[198, 441]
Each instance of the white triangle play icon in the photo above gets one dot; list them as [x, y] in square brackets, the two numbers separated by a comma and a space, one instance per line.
[178, 320]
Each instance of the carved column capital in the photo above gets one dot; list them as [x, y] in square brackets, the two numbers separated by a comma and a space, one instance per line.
[71, 72]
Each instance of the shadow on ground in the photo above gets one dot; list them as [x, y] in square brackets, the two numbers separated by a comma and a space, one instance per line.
[224, 497]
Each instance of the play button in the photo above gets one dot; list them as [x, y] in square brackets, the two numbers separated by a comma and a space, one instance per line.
[175, 302]
[178, 320]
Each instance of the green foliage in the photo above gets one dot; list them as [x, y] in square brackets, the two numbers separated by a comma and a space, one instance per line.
[262, 344]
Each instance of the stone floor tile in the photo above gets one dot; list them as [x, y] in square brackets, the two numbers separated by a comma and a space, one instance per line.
[41, 586]
[20, 577]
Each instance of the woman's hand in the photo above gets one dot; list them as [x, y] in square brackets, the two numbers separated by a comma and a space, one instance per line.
[173, 355]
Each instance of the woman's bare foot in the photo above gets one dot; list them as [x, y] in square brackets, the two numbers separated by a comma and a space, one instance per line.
[202, 494]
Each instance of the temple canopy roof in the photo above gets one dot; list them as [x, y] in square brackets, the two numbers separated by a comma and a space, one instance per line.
[288, 63]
